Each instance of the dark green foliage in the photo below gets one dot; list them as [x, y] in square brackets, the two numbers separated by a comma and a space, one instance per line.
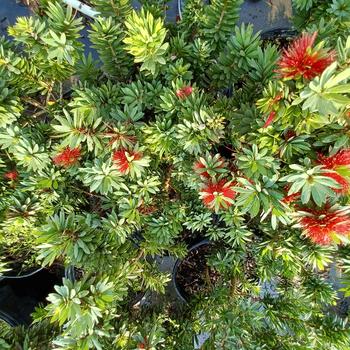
[118, 9]
[218, 20]
[107, 36]
[234, 61]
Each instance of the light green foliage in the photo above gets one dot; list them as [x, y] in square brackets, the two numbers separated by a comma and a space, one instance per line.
[255, 163]
[55, 38]
[80, 305]
[102, 177]
[179, 70]
[261, 68]
[312, 183]
[145, 40]
[303, 5]
[143, 95]
[9, 106]
[327, 94]
[31, 155]
[194, 136]
[159, 137]
[72, 237]
[340, 9]
[262, 197]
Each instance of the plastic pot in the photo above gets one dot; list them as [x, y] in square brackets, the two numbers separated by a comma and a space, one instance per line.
[20, 295]
[182, 295]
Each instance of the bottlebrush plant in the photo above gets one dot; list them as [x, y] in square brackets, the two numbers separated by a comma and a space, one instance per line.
[176, 133]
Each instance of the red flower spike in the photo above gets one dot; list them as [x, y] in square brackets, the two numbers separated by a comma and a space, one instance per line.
[342, 158]
[287, 199]
[142, 345]
[321, 225]
[342, 181]
[198, 168]
[201, 169]
[291, 198]
[337, 162]
[67, 157]
[121, 160]
[300, 59]
[184, 92]
[11, 175]
[270, 119]
[223, 190]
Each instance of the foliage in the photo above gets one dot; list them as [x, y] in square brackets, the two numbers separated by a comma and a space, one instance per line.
[175, 133]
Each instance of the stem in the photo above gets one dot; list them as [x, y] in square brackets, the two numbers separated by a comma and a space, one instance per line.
[86, 192]
[207, 277]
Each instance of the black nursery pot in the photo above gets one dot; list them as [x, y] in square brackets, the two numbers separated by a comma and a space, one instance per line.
[282, 34]
[20, 295]
[176, 275]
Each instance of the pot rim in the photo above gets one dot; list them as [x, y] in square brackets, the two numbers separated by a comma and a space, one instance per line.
[28, 274]
[277, 30]
[68, 273]
[11, 321]
[178, 289]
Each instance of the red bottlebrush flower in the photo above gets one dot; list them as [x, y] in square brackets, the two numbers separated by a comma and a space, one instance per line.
[322, 225]
[143, 344]
[203, 167]
[290, 198]
[338, 163]
[341, 158]
[342, 181]
[184, 92]
[270, 119]
[11, 175]
[67, 157]
[199, 167]
[218, 195]
[122, 159]
[276, 99]
[300, 59]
